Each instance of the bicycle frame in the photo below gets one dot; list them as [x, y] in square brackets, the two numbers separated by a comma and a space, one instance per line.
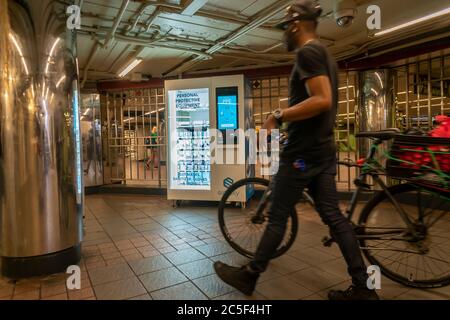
[373, 168]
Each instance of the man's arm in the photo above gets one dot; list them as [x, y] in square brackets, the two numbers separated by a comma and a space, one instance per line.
[320, 100]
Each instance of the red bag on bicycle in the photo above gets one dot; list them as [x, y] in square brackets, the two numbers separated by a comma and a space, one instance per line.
[443, 131]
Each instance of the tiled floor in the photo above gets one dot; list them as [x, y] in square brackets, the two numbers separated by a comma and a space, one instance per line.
[141, 248]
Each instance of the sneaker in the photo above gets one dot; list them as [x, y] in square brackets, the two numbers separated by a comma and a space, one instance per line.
[353, 293]
[239, 278]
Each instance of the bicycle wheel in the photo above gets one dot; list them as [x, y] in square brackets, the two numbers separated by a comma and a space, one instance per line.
[242, 227]
[419, 260]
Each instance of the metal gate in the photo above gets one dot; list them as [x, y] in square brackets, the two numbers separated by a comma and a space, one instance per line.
[134, 136]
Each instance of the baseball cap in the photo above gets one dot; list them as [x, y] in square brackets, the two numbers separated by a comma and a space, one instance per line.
[301, 10]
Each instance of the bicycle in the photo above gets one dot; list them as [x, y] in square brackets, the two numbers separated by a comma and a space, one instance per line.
[403, 228]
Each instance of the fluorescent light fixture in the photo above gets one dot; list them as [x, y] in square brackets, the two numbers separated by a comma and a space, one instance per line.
[193, 7]
[130, 67]
[284, 99]
[413, 22]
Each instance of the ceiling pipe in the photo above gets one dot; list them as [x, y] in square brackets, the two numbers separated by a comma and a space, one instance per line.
[267, 14]
[146, 43]
[166, 8]
[176, 39]
[170, 45]
[172, 8]
[119, 17]
[109, 37]
[279, 56]
[89, 62]
[200, 54]
[152, 19]
[242, 57]
[262, 17]
[192, 6]
[138, 17]
[101, 31]
[242, 48]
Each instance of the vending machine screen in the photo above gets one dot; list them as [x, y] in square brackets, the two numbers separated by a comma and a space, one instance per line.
[227, 113]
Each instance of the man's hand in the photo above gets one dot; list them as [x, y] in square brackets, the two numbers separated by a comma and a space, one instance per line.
[271, 123]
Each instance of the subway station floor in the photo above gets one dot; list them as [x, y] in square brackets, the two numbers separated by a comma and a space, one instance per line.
[141, 248]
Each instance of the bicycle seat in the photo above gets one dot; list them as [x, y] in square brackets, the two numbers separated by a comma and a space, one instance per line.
[386, 134]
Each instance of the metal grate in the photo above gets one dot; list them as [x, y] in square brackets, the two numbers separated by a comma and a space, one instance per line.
[272, 93]
[133, 154]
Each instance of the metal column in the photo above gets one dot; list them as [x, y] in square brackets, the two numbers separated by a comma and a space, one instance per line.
[41, 206]
[376, 107]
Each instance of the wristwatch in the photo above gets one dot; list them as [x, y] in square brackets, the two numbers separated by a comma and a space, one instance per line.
[278, 115]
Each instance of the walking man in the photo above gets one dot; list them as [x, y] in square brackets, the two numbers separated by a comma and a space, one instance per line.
[313, 91]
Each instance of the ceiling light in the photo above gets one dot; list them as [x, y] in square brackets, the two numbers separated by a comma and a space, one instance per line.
[130, 67]
[410, 23]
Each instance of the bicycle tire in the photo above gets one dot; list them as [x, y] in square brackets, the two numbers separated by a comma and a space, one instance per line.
[365, 213]
[222, 205]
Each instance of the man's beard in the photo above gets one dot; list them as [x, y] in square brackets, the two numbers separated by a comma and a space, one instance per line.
[290, 41]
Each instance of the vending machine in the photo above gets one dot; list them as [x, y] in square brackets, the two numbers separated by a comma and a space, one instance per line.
[206, 153]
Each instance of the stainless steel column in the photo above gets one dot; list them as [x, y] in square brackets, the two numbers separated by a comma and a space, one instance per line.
[40, 161]
[376, 105]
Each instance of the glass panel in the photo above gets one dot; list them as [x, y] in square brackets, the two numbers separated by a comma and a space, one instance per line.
[190, 152]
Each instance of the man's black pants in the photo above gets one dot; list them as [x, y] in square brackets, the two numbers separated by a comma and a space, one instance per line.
[288, 185]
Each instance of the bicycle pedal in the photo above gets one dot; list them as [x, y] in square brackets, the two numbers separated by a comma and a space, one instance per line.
[327, 241]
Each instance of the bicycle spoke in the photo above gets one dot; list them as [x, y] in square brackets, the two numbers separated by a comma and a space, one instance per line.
[429, 225]
[238, 226]
[425, 259]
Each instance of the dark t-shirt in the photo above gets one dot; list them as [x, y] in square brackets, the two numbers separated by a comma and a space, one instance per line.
[312, 139]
